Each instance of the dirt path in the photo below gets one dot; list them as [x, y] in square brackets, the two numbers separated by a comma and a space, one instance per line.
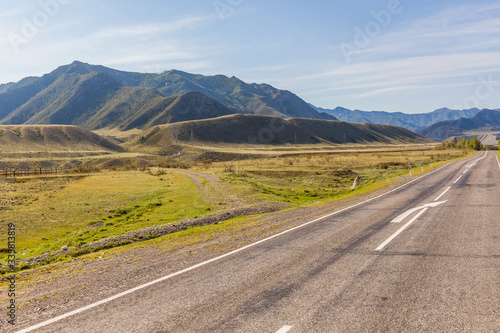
[214, 192]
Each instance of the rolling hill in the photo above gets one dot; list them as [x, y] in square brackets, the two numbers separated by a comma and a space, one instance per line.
[52, 138]
[96, 97]
[413, 122]
[483, 123]
[255, 129]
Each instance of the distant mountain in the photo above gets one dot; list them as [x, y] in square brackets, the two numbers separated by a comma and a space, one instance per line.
[50, 138]
[96, 96]
[484, 122]
[248, 129]
[413, 122]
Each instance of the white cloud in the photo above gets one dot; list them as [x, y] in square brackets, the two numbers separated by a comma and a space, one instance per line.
[149, 29]
[10, 13]
[470, 28]
[452, 48]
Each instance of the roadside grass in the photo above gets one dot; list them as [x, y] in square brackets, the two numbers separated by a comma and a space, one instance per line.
[54, 212]
[217, 238]
[308, 178]
[249, 228]
[69, 211]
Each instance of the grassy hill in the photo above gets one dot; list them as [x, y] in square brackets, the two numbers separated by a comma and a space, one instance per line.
[253, 129]
[52, 138]
[484, 122]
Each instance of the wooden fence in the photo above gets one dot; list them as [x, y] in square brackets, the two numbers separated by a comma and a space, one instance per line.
[41, 171]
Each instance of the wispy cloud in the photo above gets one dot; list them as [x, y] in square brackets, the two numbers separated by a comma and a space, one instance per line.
[153, 29]
[452, 48]
[466, 28]
[9, 13]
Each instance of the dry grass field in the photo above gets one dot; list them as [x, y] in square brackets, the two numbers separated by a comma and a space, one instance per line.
[76, 209]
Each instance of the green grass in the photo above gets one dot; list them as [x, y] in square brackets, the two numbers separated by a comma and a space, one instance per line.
[68, 212]
[306, 179]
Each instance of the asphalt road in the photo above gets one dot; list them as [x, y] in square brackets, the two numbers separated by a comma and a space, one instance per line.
[371, 268]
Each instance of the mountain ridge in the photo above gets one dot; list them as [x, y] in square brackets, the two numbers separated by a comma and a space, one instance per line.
[80, 93]
[414, 122]
[483, 122]
[243, 129]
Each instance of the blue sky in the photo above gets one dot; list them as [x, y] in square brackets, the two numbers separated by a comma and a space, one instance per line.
[393, 55]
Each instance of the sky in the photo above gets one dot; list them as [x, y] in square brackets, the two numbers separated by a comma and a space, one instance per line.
[392, 55]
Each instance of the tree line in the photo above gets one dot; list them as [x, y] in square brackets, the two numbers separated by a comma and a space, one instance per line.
[463, 143]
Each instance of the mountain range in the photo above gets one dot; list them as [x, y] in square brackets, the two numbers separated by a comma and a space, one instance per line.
[96, 97]
[485, 123]
[413, 122]
[439, 125]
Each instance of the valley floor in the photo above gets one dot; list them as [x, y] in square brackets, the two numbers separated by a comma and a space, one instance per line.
[77, 209]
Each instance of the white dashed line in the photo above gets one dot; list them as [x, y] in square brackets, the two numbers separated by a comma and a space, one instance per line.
[457, 179]
[443, 194]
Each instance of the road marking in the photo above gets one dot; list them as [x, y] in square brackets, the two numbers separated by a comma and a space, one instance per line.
[457, 179]
[443, 194]
[112, 298]
[401, 217]
[388, 240]
[498, 160]
[284, 329]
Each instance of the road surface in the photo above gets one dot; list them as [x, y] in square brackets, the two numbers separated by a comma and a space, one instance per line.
[422, 258]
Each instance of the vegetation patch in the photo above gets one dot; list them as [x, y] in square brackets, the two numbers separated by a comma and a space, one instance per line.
[83, 213]
[146, 234]
[51, 213]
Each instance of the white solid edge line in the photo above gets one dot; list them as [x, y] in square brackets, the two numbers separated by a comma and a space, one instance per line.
[388, 240]
[284, 329]
[443, 193]
[109, 299]
[498, 160]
